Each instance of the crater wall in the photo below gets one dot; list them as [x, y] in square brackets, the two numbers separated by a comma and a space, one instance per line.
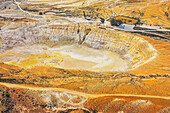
[135, 50]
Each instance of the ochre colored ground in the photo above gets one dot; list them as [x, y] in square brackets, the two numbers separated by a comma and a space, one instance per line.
[159, 65]
[148, 12]
[151, 81]
[151, 78]
[32, 100]
[87, 82]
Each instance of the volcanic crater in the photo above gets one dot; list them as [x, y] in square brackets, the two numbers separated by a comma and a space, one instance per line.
[73, 47]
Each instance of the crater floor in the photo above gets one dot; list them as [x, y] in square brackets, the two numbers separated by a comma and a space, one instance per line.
[66, 56]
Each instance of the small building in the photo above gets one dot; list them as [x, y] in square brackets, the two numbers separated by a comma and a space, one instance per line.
[50, 13]
[69, 15]
[88, 18]
[126, 26]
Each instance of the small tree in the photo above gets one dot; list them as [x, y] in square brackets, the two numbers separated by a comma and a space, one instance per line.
[102, 20]
[40, 13]
[116, 22]
[138, 22]
[166, 14]
[7, 94]
[113, 22]
[119, 22]
[84, 14]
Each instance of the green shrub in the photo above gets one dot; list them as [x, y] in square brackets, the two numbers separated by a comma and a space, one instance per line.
[102, 20]
[7, 94]
[141, 14]
[84, 14]
[166, 14]
[116, 22]
[138, 22]
[40, 13]
[113, 22]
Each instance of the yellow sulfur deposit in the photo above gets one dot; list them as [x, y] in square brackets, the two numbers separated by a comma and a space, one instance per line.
[46, 58]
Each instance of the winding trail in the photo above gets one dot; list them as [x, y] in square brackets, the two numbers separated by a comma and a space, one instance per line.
[18, 5]
[80, 93]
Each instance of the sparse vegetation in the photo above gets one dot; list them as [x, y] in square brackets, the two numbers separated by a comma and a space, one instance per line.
[138, 22]
[116, 22]
[102, 20]
[124, 19]
[166, 14]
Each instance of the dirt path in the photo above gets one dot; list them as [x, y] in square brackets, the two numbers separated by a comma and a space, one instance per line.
[82, 94]
[18, 5]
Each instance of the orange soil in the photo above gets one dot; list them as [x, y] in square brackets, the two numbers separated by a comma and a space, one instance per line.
[159, 65]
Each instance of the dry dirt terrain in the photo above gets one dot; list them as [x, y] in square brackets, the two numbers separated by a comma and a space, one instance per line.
[53, 60]
[16, 97]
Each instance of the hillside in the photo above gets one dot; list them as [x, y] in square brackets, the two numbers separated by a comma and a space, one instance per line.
[149, 12]
[15, 98]
[152, 14]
